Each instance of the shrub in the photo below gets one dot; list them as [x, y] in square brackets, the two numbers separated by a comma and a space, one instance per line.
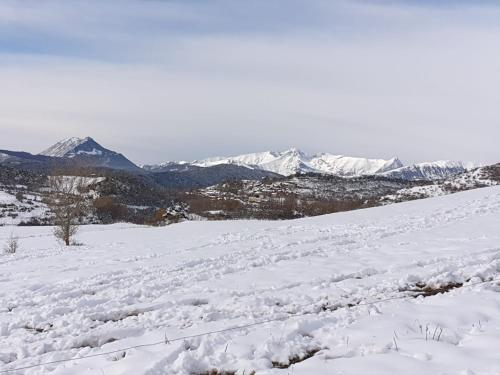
[12, 245]
[158, 218]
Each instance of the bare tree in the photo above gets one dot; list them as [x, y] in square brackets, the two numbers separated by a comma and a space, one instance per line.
[67, 203]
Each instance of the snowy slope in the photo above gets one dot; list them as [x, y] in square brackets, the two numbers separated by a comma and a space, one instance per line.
[66, 147]
[289, 162]
[295, 161]
[6, 198]
[473, 179]
[437, 170]
[128, 286]
[246, 159]
[14, 212]
[348, 166]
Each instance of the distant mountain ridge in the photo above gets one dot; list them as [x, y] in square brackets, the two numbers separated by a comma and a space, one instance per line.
[87, 152]
[294, 161]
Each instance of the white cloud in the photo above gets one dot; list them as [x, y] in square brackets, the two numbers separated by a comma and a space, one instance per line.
[380, 86]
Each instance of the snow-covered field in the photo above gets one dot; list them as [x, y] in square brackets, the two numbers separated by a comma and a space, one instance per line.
[130, 286]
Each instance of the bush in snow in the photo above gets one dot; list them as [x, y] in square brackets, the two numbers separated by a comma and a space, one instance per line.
[12, 245]
[176, 212]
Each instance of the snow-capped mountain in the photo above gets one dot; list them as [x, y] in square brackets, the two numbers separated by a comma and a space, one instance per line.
[352, 166]
[437, 170]
[295, 161]
[71, 147]
[89, 152]
[254, 159]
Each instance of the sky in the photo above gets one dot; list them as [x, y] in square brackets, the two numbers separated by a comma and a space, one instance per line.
[162, 80]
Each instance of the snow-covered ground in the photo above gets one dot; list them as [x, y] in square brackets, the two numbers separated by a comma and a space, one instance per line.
[128, 286]
[14, 212]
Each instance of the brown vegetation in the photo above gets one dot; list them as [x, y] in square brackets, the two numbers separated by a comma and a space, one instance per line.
[426, 290]
[158, 217]
[296, 359]
[270, 207]
[109, 210]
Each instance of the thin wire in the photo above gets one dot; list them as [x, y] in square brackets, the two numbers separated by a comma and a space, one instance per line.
[236, 328]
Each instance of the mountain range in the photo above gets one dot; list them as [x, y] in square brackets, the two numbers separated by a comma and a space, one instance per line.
[87, 152]
[294, 161]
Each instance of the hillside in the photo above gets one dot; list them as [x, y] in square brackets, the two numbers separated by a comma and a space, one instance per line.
[437, 170]
[294, 196]
[398, 289]
[473, 179]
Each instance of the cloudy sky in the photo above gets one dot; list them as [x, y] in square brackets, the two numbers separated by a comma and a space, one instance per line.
[171, 80]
